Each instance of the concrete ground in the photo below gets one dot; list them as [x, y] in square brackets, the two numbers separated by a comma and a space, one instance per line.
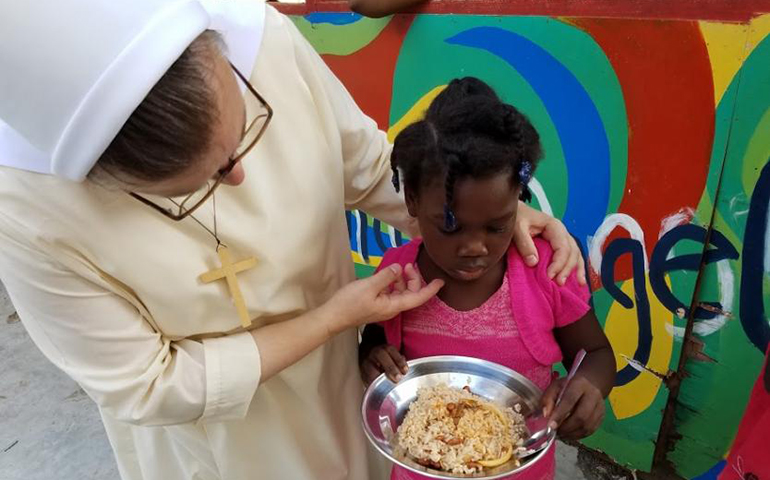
[51, 430]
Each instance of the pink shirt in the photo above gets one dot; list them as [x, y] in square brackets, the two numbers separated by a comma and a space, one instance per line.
[514, 328]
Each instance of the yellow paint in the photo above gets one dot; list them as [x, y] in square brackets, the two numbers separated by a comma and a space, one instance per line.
[759, 28]
[415, 113]
[623, 331]
[726, 43]
[729, 45]
[373, 261]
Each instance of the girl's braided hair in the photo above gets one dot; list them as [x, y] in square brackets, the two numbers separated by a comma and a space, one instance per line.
[467, 132]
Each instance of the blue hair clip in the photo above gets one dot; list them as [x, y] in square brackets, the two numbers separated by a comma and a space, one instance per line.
[450, 221]
[525, 173]
[395, 180]
[525, 176]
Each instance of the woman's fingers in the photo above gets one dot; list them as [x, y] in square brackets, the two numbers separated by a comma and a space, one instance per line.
[409, 299]
[377, 298]
[413, 279]
[522, 238]
[567, 256]
[572, 263]
[581, 268]
[400, 284]
[559, 239]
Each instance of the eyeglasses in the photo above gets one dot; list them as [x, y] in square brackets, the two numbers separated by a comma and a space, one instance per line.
[258, 116]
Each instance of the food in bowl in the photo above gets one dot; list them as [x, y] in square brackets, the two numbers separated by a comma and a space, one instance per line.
[452, 429]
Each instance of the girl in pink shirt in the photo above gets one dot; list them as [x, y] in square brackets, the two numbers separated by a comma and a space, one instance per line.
[464, 168]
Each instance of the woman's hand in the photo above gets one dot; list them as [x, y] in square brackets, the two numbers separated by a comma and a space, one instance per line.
[581, 410]
[379, 297]
[383, 358]
[566, 253]
[381, 8]
[374, 299]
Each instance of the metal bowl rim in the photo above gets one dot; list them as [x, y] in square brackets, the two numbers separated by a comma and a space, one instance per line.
[442, 358]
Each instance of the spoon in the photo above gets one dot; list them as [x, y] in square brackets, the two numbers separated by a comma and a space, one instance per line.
[535, 443]
[572, 371]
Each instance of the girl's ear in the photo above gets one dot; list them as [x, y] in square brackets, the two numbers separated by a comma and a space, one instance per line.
[411, 202]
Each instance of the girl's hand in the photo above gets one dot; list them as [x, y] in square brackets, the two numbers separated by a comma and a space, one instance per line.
[377, 298]
[383, 358]
[581, 410]
[566, 253]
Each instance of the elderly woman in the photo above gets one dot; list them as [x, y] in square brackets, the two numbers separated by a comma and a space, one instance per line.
[214, 326]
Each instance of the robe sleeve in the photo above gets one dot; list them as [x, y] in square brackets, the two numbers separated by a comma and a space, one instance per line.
[103, 342]
[365, 149]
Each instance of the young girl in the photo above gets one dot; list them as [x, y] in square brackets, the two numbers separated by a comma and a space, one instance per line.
[464, 168]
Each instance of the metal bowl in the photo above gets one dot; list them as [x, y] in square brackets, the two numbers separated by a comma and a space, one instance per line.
[385, 404]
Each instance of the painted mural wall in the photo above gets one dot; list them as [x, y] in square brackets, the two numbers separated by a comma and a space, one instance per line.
[657, 138]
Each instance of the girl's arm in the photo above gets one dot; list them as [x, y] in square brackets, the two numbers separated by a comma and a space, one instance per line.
[599, 364]
[581, 409]
[381, 8]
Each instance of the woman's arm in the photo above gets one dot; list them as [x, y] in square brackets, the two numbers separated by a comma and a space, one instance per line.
[108, 344]
[374, 299]
[381, 8]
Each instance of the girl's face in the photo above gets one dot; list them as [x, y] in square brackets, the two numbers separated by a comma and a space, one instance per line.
[485, 210]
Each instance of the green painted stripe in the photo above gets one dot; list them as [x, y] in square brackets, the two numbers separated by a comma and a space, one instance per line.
[340, 39]
[751, 107]
[363, 271]
[757, 154]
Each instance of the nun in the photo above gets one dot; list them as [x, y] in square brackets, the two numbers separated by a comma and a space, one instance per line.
[174, 176]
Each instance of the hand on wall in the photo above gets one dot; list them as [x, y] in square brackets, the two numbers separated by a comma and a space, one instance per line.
[381, 8]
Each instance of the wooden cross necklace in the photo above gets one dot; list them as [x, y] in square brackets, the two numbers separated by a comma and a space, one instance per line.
[228, 271]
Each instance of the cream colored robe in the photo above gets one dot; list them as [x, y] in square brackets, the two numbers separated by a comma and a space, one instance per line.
[108, 290]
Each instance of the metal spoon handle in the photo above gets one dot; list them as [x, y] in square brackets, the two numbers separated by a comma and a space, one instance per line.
[575, 365]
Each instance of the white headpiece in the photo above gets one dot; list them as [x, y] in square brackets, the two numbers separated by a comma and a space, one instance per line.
[72, 72]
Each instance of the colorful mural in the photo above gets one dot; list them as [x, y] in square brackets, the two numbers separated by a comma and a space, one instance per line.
[657, 142]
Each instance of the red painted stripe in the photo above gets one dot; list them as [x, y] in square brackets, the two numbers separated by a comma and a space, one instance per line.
[726, 10]
[666, 79]
[292, 8]
[368, 73]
